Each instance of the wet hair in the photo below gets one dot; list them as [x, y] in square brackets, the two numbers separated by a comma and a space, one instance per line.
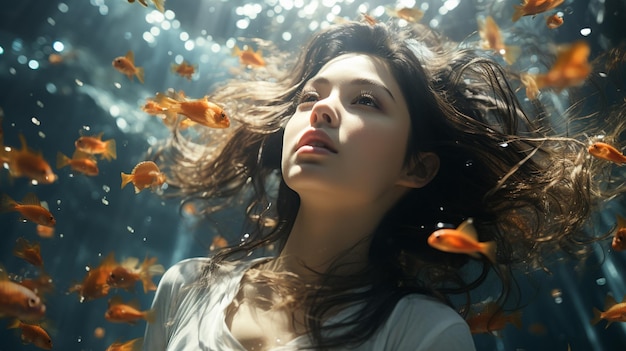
[527, 186]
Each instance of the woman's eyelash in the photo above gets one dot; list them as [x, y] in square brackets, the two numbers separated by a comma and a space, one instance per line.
[367, 95]
[306, 95]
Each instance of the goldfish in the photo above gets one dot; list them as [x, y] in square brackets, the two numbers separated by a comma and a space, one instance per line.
[40, 285]
[249, 57]
[33, 334]
[26, 163]
[31, 253]
[533, 7]
[146, 174]
[607, 152]
[369, 19]
[126, 274]
[31, 209]
[159, 4]
[120, 312]
[492, 319]
[81, 162]
[95, 284]
[184, 69]
[19, 301]
[130, 345]
[409, 14]
[94, 145]
[201, 111]
[619, 239]
[126, 65]
[45, 232]
[492, 39]
[218, 243]
[554, 21]
[463, 239]
[570, 69]
[614, 312]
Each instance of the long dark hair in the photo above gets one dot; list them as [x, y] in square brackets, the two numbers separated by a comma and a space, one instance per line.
[526, 188]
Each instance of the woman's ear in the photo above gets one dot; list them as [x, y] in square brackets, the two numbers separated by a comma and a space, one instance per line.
[419, 174]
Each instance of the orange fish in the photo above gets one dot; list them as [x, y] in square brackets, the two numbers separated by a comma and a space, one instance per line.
[95, 284]
[81, 162]
[30, 253]
[26, 163]
[159, 4]
[218, 243]
[614, 312]
[554, 21]
[130, 345]
[492, 40]
[31, 209]
[607, 152]
[119, 312]
[184, 69]
[33, 334]
[619, 239]
[201, 111]
[18, 301]
[45, 232]
[570, 69]
[409, 14]
[369, 19]
[249, 57]
[146, 174]
[126, 65]
[95, 145]
[492, 319]
[126, 274]
[464, 240]
[533, 7]
[40, 285]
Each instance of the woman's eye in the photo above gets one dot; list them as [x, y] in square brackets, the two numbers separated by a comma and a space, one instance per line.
[366, 99]
[308, 96]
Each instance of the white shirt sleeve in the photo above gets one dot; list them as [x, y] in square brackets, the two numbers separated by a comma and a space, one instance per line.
[422, 323]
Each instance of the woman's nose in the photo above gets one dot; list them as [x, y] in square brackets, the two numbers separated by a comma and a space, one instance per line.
[323, 113]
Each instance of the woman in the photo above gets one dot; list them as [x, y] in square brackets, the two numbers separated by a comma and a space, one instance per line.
[374, 139]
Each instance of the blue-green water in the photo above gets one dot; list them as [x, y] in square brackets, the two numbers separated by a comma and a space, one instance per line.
[51, 104]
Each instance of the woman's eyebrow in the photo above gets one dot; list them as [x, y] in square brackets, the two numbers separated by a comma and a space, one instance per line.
[355, 81]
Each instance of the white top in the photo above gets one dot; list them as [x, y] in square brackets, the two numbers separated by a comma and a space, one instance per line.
[190, 318]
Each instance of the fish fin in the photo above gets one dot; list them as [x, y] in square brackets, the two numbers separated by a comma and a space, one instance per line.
[14, 324]
[62, 160]
[126, 178]
[596, 316]
[23, 141]
[130, 56]
[8, 204]
[608, 322]
[139, 72]
[150, 315]
[236, 51]
[137, 190]
[115, 300]
[511, 54]
[519, 12]
[160, 5]
[609, 302]
[144, 3]
[516, 319]
[467, 227]
[136, 344]
[489, 250]
[31, 199]
[111, 152]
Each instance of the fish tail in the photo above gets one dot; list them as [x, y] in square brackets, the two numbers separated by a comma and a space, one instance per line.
[150, 316]
[489, 250]
[519, 12]
[511, 53]
[110, 152]
[7, 204]
[147, 270]
[126, 178]
[160, 5]
[62, 160]
[139, 72]
[597, 316]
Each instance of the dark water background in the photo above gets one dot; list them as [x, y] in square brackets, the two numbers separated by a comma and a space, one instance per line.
[51, 104]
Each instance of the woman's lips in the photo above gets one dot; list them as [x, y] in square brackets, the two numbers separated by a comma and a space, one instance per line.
[315, 140]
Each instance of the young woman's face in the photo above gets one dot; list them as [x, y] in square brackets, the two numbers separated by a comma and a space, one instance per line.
[349, 134]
